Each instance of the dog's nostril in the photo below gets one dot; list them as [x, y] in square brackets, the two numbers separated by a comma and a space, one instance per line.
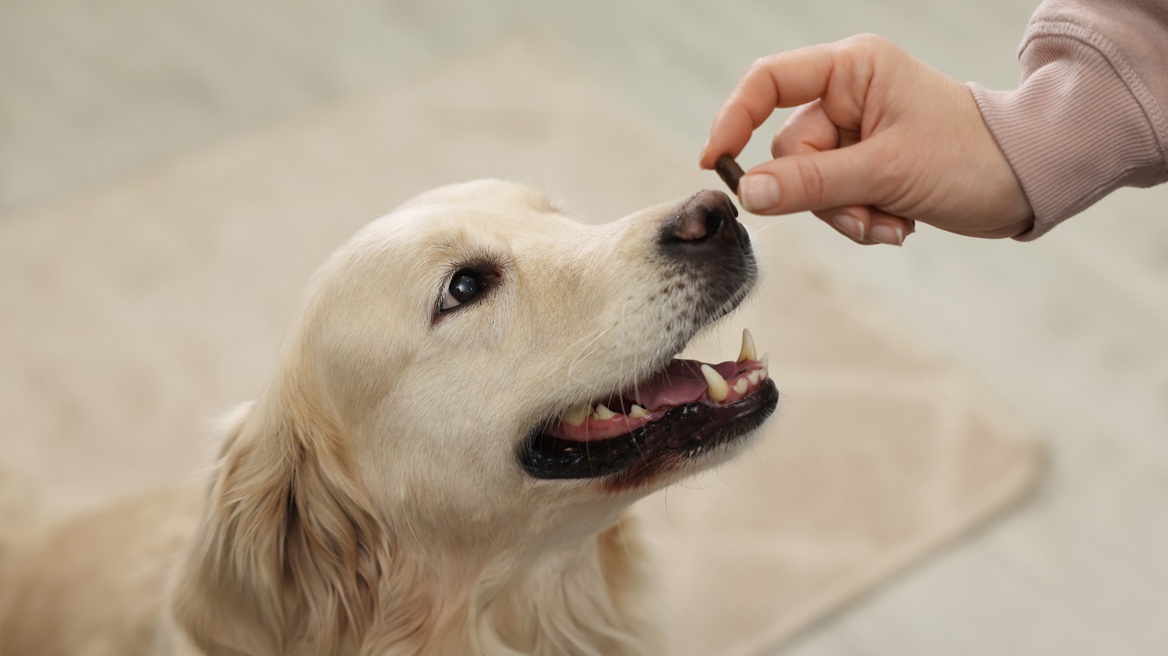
[702, 216]
[713, 223]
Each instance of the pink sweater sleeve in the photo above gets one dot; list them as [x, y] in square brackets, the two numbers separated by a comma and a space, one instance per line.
[1091, 114]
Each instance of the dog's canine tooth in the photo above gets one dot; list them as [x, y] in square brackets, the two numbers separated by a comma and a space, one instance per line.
[602, 412]
[741, 386]
[718, 389]
[766, 360]
[576, 415]
[637, 412]
[748, 352]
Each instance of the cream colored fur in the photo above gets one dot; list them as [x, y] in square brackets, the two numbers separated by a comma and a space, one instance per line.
[369, 501]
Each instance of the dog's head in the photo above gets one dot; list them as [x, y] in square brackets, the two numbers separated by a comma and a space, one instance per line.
[478, 369]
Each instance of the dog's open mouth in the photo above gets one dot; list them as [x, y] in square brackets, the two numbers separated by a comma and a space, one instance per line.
[688, 409]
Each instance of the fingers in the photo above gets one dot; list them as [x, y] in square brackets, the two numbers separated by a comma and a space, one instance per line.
[867, 225]
[816, 180]
[890, 229]
[820, 163]
[787, 79]
[807, 130]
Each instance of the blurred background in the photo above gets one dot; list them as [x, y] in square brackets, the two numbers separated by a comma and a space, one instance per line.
[1071, 329]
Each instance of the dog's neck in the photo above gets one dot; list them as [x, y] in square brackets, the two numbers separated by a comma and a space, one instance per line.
[592, 599]
[595, 599]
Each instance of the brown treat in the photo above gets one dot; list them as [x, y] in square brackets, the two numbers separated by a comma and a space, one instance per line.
[729, 171]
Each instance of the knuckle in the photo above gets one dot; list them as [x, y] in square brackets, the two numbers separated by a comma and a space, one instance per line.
[810, 180]
[893, 176]
[759, 65]
[869, 41]
[862, 51]
[785, 142]
[764, 65]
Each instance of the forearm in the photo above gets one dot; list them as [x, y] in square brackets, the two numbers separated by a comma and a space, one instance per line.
[1091, 114]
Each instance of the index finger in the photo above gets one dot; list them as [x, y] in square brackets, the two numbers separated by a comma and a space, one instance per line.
[787, 79]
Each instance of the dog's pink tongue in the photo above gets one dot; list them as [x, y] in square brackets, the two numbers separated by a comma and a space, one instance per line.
[681, 383]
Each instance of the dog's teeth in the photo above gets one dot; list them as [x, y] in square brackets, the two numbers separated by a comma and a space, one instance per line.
[718, 387]
[637, 412]
[747, 352]
[753, 377]
[576, 415]
[741, 386]
[766, 359]
[602, 412]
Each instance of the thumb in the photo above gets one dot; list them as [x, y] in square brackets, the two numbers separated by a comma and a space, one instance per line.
[812, 181]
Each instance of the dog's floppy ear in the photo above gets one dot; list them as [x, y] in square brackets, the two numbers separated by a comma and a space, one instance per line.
[288, 557]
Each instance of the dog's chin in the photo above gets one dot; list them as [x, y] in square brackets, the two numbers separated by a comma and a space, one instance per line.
[671, 424]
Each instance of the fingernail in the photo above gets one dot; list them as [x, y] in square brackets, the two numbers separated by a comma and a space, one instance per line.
[885, 234]
[850, 226]
[702, 157]
[758, 192]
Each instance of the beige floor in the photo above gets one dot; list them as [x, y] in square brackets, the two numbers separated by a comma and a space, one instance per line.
[1070, 328]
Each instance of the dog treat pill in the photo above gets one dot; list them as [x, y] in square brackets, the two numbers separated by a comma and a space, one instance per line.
[729, 171]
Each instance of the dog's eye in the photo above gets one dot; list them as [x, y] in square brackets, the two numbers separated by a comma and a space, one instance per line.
[464, 286]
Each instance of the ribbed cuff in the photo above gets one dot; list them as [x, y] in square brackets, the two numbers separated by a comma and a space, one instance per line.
[1072, 132]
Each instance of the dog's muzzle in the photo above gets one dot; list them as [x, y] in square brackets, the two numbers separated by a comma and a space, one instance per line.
[686, 408]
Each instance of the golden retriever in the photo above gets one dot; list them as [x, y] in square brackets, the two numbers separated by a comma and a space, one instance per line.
[476, 390]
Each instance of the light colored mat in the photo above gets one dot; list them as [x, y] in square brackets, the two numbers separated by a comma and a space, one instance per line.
[132, 313]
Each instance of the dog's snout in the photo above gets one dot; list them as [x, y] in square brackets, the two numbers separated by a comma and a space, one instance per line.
[708, 219]
[702, 216]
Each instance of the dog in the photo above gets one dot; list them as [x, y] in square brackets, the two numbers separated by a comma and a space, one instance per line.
[475, 392]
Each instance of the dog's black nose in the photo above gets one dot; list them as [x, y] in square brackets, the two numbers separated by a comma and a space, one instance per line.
[708, 220]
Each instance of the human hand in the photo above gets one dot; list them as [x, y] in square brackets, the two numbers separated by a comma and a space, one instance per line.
[880, 140]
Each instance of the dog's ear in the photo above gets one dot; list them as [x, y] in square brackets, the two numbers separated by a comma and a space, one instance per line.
[288, 557]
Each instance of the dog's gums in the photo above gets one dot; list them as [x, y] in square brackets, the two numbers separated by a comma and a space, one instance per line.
[679, 413]
[682, 382]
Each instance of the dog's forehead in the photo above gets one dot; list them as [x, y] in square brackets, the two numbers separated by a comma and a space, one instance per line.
[501, 220]
[487, 192]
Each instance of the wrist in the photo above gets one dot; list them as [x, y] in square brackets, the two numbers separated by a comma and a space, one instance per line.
[1072, 132]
